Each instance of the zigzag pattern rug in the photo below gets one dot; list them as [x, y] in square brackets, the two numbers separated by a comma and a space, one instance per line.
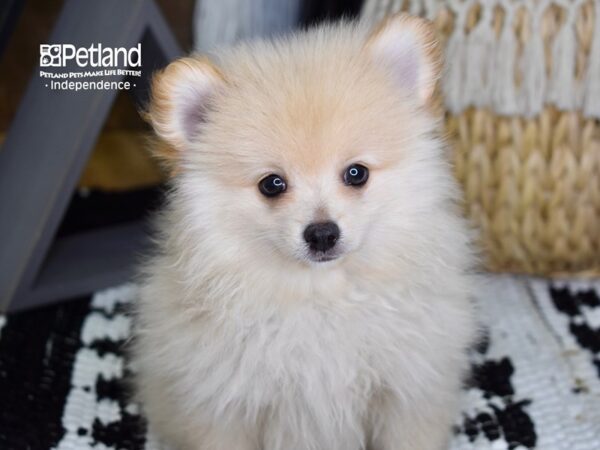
[535, 382]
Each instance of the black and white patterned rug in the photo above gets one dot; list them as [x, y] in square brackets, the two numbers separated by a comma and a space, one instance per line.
[535, 381]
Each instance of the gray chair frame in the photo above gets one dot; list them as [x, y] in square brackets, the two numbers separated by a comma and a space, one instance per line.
[46, 148]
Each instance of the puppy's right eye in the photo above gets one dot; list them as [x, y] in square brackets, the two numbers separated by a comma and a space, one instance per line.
[356, 175]
[272, 185]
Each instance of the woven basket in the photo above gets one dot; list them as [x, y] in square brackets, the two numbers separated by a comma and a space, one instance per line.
[522, 92]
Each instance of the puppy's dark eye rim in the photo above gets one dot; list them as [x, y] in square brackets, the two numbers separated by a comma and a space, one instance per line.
[356, 175]
[272, 185]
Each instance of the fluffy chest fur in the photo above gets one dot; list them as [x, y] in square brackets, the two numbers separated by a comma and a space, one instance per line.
[318, 363]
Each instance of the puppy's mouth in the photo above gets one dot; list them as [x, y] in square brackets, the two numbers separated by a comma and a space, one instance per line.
[321, 257]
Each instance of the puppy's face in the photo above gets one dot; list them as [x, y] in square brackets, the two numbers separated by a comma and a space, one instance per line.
[301, 149]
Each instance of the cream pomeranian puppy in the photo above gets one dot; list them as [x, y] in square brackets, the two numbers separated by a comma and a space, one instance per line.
[310, 290]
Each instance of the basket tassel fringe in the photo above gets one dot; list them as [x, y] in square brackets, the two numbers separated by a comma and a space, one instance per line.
[485, 58]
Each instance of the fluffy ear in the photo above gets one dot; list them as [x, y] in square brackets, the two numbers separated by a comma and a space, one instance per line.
[181, 95]
[407, 47]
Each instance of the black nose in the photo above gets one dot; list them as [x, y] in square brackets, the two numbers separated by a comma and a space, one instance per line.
[322, 236]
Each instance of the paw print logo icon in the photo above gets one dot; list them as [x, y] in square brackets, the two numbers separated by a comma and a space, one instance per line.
[50, 55]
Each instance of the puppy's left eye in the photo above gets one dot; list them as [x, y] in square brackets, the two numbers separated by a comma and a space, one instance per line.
[356, 175]
[272, 185]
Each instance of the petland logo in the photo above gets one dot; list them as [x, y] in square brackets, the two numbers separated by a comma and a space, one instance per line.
[100, 63]
[59, 55]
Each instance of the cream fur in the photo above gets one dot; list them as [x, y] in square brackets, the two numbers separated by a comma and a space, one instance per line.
[242, 343]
